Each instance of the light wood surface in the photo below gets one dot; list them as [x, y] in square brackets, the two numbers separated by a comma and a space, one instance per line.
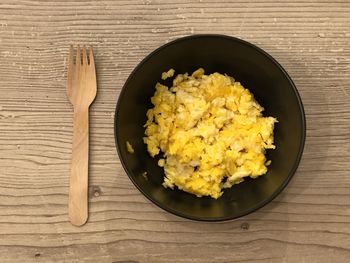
[308, 222]
[81, 91]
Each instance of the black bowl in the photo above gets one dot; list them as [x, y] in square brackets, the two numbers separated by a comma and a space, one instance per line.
[257, 71]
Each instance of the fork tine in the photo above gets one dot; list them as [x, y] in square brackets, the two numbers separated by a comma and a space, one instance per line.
[85, 60]
[70, 58]
[78, 58]
[91, 56]
[70, 69]
[71, 55]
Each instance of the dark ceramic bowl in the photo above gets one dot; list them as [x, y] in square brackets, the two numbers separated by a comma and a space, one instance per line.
[257, 71]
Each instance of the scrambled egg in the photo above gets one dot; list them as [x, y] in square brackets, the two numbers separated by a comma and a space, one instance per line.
[168, 74]
[210, 131]
[129, 147]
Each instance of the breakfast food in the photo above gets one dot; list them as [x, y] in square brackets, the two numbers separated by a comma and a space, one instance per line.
[168, 74]
[129, 147]
[210, 131]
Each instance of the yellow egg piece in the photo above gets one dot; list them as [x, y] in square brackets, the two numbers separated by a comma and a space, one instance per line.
[210, 131]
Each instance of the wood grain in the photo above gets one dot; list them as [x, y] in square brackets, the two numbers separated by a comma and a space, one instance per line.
[308, 222]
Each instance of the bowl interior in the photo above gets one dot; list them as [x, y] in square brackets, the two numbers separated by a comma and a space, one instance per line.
[258, 72]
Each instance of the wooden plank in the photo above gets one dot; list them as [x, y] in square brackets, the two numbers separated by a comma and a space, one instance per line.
[308, 222]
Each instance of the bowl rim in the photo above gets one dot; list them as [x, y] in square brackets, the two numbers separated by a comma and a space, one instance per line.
[258, 205]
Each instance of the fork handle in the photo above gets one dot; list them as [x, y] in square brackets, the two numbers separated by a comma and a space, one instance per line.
[78, 189]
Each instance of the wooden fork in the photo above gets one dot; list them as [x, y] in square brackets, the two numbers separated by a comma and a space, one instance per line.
[81, 91]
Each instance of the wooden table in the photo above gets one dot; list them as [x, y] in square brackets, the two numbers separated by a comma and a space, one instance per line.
[308, 222]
